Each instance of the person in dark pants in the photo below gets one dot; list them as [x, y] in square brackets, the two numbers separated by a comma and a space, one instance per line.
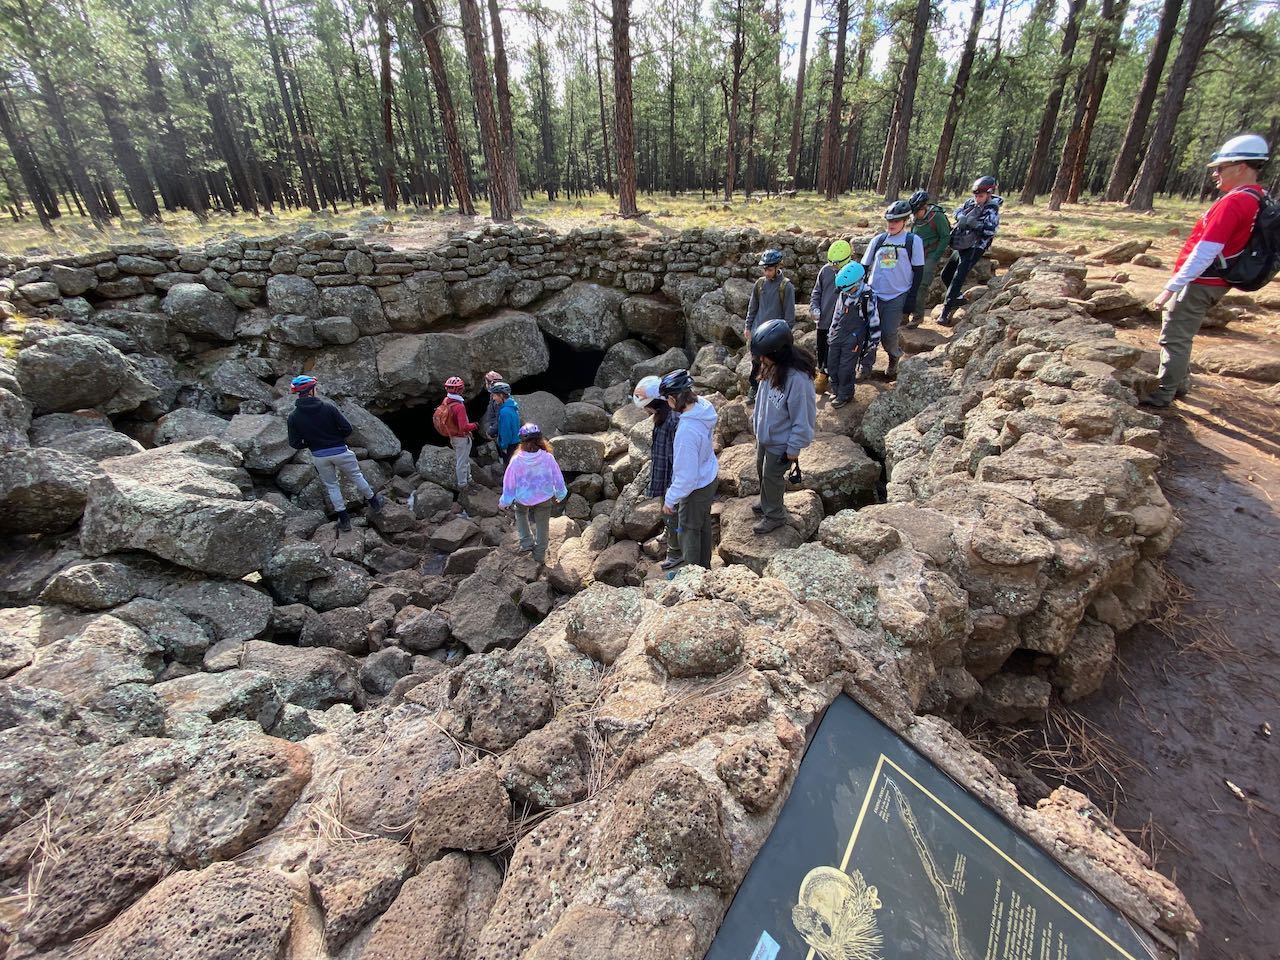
[508, 433]
[822, 302]
[976, 223]
[855, 328]
[489, 422]
[784, 419]
[317, 425]
[895, 263]
[694, 468]
[647, 397]
[772, 296]
[930, 224]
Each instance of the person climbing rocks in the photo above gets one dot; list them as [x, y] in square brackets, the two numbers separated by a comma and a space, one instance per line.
[533, 484]
[895, 260]
[319, 426]
[489, 422]
[822, 303]
[1197, 284]
[929, 223]
[508, 435]
[773, 294]
[855, 327]
[694, 470]
[784, 419]
[977, 221]
[451, 421]
[648, 397]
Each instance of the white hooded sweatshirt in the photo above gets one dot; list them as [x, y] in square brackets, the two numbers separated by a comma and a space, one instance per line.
[694, 452]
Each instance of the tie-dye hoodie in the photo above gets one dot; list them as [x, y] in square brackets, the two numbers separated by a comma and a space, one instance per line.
[531, 479]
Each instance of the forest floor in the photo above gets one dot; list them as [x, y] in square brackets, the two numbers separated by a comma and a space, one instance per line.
[1180, 746]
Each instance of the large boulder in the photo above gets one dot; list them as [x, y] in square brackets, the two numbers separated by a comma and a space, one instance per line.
[369, 432]
[187, 423]
[482, 294]
[184, 503]
[655, 320]
[586, 316]
[288, 293]
[311, 677]
[359, 303]
[194, 309]
[659, 366]
[578, 453]
[546, 410]
[15, 420]
[77, 371]
[263, 438]
[618, 361]
[840, 471]
[43, 491]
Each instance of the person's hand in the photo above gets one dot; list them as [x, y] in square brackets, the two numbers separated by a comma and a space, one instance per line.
[1161, 298]
[668, 511]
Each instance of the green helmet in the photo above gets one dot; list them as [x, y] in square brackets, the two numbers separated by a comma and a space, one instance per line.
[839, 251]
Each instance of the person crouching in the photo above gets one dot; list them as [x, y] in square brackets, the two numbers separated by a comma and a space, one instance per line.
[855, 330]
[784, 419]
[533, 484]
[648, 398]
[694, 471]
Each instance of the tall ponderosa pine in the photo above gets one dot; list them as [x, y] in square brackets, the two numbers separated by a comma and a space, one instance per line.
[625, 135]
[956, 103]
[426, 16]
[1049, 118]
[907, 99]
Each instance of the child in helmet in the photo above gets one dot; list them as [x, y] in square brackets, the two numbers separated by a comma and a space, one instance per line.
[458, 429]
[508, 424]
[489, 422]
[772, 296]
[855, 329]
[533, 483]
[822, 302]
[647, 397]
[895, 262]
[784, 419]
[694, 469]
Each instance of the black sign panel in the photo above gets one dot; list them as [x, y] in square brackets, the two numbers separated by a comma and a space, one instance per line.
[879, 855]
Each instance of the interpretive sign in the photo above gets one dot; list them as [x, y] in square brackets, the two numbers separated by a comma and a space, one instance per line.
[879, 855]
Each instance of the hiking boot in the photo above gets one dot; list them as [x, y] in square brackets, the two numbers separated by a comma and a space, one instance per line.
[839, 403]
[767, 525]
[891, 371]
[344, 521]
[757, 509]
[670, 563]
[1154, 404]
[376, 503]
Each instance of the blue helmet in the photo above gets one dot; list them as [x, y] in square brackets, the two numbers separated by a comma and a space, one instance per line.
[850, 276]
[302, 383]
[771, 258]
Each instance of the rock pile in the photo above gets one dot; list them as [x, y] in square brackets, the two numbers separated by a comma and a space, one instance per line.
[401, 741]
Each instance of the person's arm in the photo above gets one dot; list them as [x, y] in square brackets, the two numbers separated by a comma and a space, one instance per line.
[990, 223]
[873, 323]
[509, 484]
[460, 416]
[562, 490]
[752, 307]
[802, 408]
[815, 298]
[295, 438]
[1220, 222]
[683, 471]
[789, 302]
[917, 272]
[869, 254]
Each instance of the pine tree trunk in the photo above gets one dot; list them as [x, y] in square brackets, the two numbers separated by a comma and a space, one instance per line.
[1201, 15]
[287, 105]
[27, 169]
[1126, 162]
[797, 109]
[426, 16]
[135, 174]
[386, 97]
[956, 103]
[907, 97]
[737, 54]
[482, 94]
[604, 116]
[1049, 119]
[620, 26]
[505, 123]
[831, 142]
[671, 112]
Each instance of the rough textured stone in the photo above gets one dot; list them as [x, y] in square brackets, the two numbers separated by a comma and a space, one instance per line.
[43, 491]
[314, 678]
[586, 316]
[76, 371]
[194, 309]
[494, 701]
[467, 809]
[355, 882]
[702, 638]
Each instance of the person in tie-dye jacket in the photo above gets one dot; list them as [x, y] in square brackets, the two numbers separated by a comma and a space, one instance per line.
[533, 484]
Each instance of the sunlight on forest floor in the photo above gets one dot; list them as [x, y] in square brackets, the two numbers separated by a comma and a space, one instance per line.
[855, 213]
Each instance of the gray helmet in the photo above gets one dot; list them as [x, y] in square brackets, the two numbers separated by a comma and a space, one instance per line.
[984, 183]
[771, 337]
[770, 258]
[919, 199]
[675, 383]
[501, 387]
[898, 210]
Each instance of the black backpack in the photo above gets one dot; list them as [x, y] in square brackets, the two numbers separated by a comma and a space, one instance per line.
[1254, 266]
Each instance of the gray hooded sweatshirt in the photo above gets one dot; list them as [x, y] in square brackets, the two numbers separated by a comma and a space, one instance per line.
[784, 420]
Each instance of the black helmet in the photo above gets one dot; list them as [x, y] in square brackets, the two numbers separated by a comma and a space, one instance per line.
[984, 183]
[919, 199]
[898, 210]
[675, 383]
[771, 337]
[770, 258]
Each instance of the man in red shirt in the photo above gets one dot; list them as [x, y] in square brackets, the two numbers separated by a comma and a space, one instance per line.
[1197, 285]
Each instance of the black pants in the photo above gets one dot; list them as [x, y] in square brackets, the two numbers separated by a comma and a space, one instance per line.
[956, 269]
[822, 349]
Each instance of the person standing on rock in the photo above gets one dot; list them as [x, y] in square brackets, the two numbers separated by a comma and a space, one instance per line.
[855, 328]
[784, 419]
[694, 470]
[1197, 284]
[895, 260]
[930, 224]
[319, 426]
[508, 435]
[533, 484]
[489, 422]
[451, 421]
[772, 296]
[977, 221]
[822, 302]
[648, 397]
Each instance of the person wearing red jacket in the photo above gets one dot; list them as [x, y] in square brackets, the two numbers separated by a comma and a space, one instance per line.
[460, 431]
[1197, 285]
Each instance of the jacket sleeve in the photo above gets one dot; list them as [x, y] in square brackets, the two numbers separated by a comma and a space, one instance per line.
[789, 302]
[753, 305]
[562, 491]
[340, 423]
[802, 408]
[295, 438]
[509, 484]
[684, 469]
[990, 223]
[460, 416]
[815, 298]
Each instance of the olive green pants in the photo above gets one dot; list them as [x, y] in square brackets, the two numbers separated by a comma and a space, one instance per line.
[694, 513]
[1182, 319]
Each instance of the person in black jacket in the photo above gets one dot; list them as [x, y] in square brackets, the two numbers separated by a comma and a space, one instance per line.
[320, 427]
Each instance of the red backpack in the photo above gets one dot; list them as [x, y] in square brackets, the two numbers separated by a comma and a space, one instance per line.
[444, 419]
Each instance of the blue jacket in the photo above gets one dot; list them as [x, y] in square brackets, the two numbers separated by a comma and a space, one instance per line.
[508, 424]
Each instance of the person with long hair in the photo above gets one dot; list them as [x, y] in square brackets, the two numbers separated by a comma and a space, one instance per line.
[694, 468]
[647, 396]
[533, 484]
[784, 419]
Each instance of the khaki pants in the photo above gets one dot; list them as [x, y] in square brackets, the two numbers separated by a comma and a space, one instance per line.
[694, 513]
[535, 539]
[771, 468]
[919, 308]
[461, 460]
[1182, 319]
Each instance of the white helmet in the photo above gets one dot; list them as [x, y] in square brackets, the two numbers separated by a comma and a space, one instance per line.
[1247, 146]
[646, 391]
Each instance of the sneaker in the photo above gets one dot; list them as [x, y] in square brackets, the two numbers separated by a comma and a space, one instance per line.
[839, 403]
[891, 371]
[767, 526]
[376, 503]
[344, 521]
[757, 509]
[1154, 404]
[523, 549]
[671, 563]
